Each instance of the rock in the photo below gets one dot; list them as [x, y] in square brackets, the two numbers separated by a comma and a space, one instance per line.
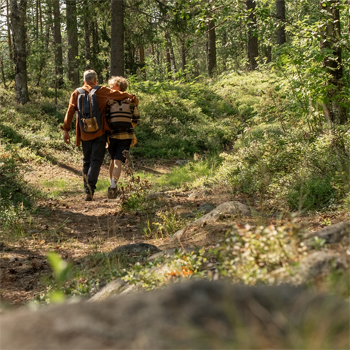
[318, 264]
[178, 207]
[134, 248]
[67, 212]
[331, 234]
[194, 315]
[230, 208]
[155, 195]
[198, 194]
[169, 252]
[118, 286]
[181, 161]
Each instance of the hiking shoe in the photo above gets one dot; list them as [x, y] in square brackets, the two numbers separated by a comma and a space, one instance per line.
[112, 193]
[89, 198]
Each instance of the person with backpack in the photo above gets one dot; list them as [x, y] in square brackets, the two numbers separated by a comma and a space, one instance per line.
[90, 103]
[122, 117]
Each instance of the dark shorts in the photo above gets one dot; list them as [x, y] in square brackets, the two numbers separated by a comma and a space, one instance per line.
[116, 148]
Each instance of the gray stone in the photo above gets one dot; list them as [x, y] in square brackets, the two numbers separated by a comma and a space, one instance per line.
[227, 208]
[181, 161]
[134, 248]
[116, 287]
[67, 212]
[331, 234]
[155, 195]
[198, 194]
[195, 315]
[318, 264]
[178, 207]
[169, 252]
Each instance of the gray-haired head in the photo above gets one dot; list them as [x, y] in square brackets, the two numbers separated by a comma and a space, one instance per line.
[89, 76]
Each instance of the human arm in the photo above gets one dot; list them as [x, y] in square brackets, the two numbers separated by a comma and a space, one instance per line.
[72, 107]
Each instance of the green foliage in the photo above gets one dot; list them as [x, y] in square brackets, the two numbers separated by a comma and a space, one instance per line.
[249, 254]
[178, 120]
[62, 271]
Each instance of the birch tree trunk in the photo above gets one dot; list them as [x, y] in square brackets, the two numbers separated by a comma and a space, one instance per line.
[19, 31]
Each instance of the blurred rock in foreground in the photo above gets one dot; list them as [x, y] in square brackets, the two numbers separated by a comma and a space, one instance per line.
[195, 315]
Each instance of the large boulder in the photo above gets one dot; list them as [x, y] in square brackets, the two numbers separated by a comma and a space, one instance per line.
[318, 264]
[195, 315]
[331, 234]
[227, 208]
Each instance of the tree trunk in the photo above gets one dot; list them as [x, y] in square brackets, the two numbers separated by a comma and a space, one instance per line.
[72, 34]
[87, 42]
[41, 18]
[3, 73]
[281, 15]
[48, 26]
[334, 109]
[9, 42]
[96, 65]
[211, 59]
[171, 52]
[224, 43]
[183, 54]
[117, 37]
[142, 62]
[19, 30]
[253, 51]
[168, 61]
[58, 43]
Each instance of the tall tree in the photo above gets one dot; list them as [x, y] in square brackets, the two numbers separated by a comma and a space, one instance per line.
[171, 52]
[9, 42]
[72, 34]
[281, 15]
[334, 109]
[19, 31]
[253, 48]
[211, 52]
[117, 37]
[58, 43]
[86, 20]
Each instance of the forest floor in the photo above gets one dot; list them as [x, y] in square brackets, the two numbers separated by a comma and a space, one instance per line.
[76, 229]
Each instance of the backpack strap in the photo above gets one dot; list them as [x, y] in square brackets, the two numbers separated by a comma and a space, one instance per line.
[81, 91]
[94, 89]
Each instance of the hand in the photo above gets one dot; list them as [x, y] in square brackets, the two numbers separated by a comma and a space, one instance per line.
[66, 137]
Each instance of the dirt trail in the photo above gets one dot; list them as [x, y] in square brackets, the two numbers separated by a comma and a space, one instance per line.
[75, 228]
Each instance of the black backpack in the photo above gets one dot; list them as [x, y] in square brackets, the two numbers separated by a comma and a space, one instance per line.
[88, 113]
[120, 114]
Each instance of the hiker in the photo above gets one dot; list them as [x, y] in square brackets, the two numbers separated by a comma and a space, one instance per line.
[90, 103]
[122, 116]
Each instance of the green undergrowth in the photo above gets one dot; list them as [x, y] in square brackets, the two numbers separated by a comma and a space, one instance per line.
[250, 255]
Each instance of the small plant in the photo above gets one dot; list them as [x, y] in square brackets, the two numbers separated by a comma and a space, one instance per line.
[168, 222]
[61, 270]
[318, 243]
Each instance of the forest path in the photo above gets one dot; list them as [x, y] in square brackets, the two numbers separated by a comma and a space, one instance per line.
[79, 230]
[75, 229]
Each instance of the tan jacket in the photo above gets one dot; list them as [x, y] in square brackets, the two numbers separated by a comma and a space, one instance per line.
[103, 95]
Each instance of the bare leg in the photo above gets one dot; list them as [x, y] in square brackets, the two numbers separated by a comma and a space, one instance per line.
[111, 168]
[117, 169]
